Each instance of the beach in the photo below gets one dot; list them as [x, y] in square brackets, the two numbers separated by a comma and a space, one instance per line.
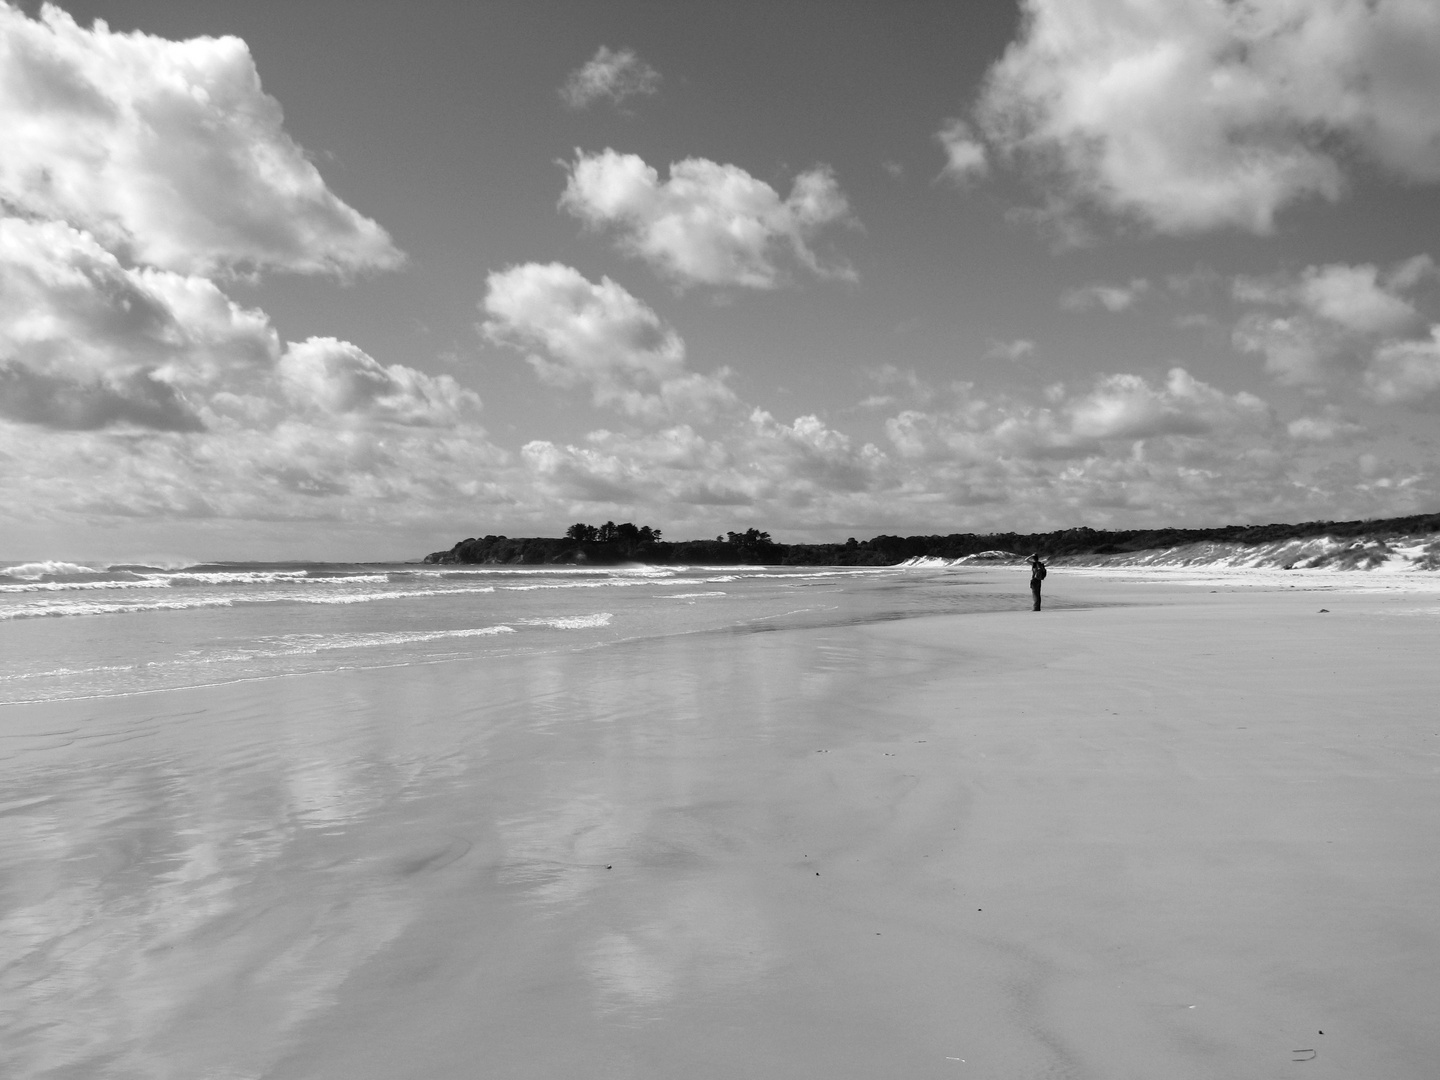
[1165, 827]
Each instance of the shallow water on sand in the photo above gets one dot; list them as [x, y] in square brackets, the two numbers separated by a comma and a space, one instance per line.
[69, 630]
[385, 871]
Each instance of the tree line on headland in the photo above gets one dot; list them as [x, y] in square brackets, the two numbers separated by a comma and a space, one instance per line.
[610, 544]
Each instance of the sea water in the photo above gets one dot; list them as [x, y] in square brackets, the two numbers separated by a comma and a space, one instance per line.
[70, 630]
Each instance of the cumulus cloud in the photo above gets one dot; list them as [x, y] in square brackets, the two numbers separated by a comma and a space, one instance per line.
[1406, 372]
[1298, 351]
[804, 470]
[1335, 323]
[1113, 298]
[92, 330]
[135, 172]
[708, 224]
[341, 379]
[56, 401]
[613, 74]
[965, 156]
[90, 343]
[1119, 407]
[600, 336]
[1354, 298]
[1192, 115]
[168, 152]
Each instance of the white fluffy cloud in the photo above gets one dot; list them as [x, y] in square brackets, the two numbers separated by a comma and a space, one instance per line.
[90, 343]
[1123, 451]
[1359, 299]
[1337, 323]
[135, 171]
[600, 336]
[340, 379]
[708, 224]
[803, 471]
[615, 74]
[1120, 407]
[168, 152]
[1406, 372]
[1190, 115]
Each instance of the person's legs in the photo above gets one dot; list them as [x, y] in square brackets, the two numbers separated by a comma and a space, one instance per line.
[1035, 588]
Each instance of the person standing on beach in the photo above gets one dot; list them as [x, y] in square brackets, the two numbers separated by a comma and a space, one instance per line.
[1037, 575]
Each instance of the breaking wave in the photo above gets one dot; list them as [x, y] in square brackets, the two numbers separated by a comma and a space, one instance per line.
[32, 571]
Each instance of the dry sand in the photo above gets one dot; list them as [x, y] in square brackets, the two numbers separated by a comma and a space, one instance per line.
[1180, 838]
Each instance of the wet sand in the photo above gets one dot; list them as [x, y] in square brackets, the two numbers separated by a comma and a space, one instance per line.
[1178, 838]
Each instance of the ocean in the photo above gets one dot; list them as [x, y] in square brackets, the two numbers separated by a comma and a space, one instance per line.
[71, 630]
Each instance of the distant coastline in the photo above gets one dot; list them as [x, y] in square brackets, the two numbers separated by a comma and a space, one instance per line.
[1405, 542]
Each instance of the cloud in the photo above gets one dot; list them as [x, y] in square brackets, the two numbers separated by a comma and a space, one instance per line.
[1193, 115]
[708, 224]
[965, 156]
[1330, 427]
[1128, 407]
[1113, 298]
[73, 316]
[340, 379]
[1119, 407]
[131, 386]
[1298, 351]
[168, 152]
[610, 73]
[1013, 351]
[55, 401]
[92, 343]
[600, 336]
[1406, 372]
[1354, 298]
[801, 470]
[1335, 322]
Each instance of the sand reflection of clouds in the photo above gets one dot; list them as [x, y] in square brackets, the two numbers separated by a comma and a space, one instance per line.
[157, 927]
[700, 940]
[554, 853]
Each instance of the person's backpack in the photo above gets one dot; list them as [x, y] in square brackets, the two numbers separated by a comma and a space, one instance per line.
[1040, 571]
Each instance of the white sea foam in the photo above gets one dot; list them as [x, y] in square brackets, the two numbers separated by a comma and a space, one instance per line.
[38, 609]
[61, 673]
[367, 597]
[268, 577]
[81, 586]
[301, 644]
[188, 579]
[42, 609]
[573, 622]
[686, 595]
[608, 583]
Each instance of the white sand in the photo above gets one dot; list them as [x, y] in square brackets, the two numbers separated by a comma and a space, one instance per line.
[1178, 839]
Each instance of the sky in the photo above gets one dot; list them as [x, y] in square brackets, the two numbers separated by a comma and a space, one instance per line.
[342, 280]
